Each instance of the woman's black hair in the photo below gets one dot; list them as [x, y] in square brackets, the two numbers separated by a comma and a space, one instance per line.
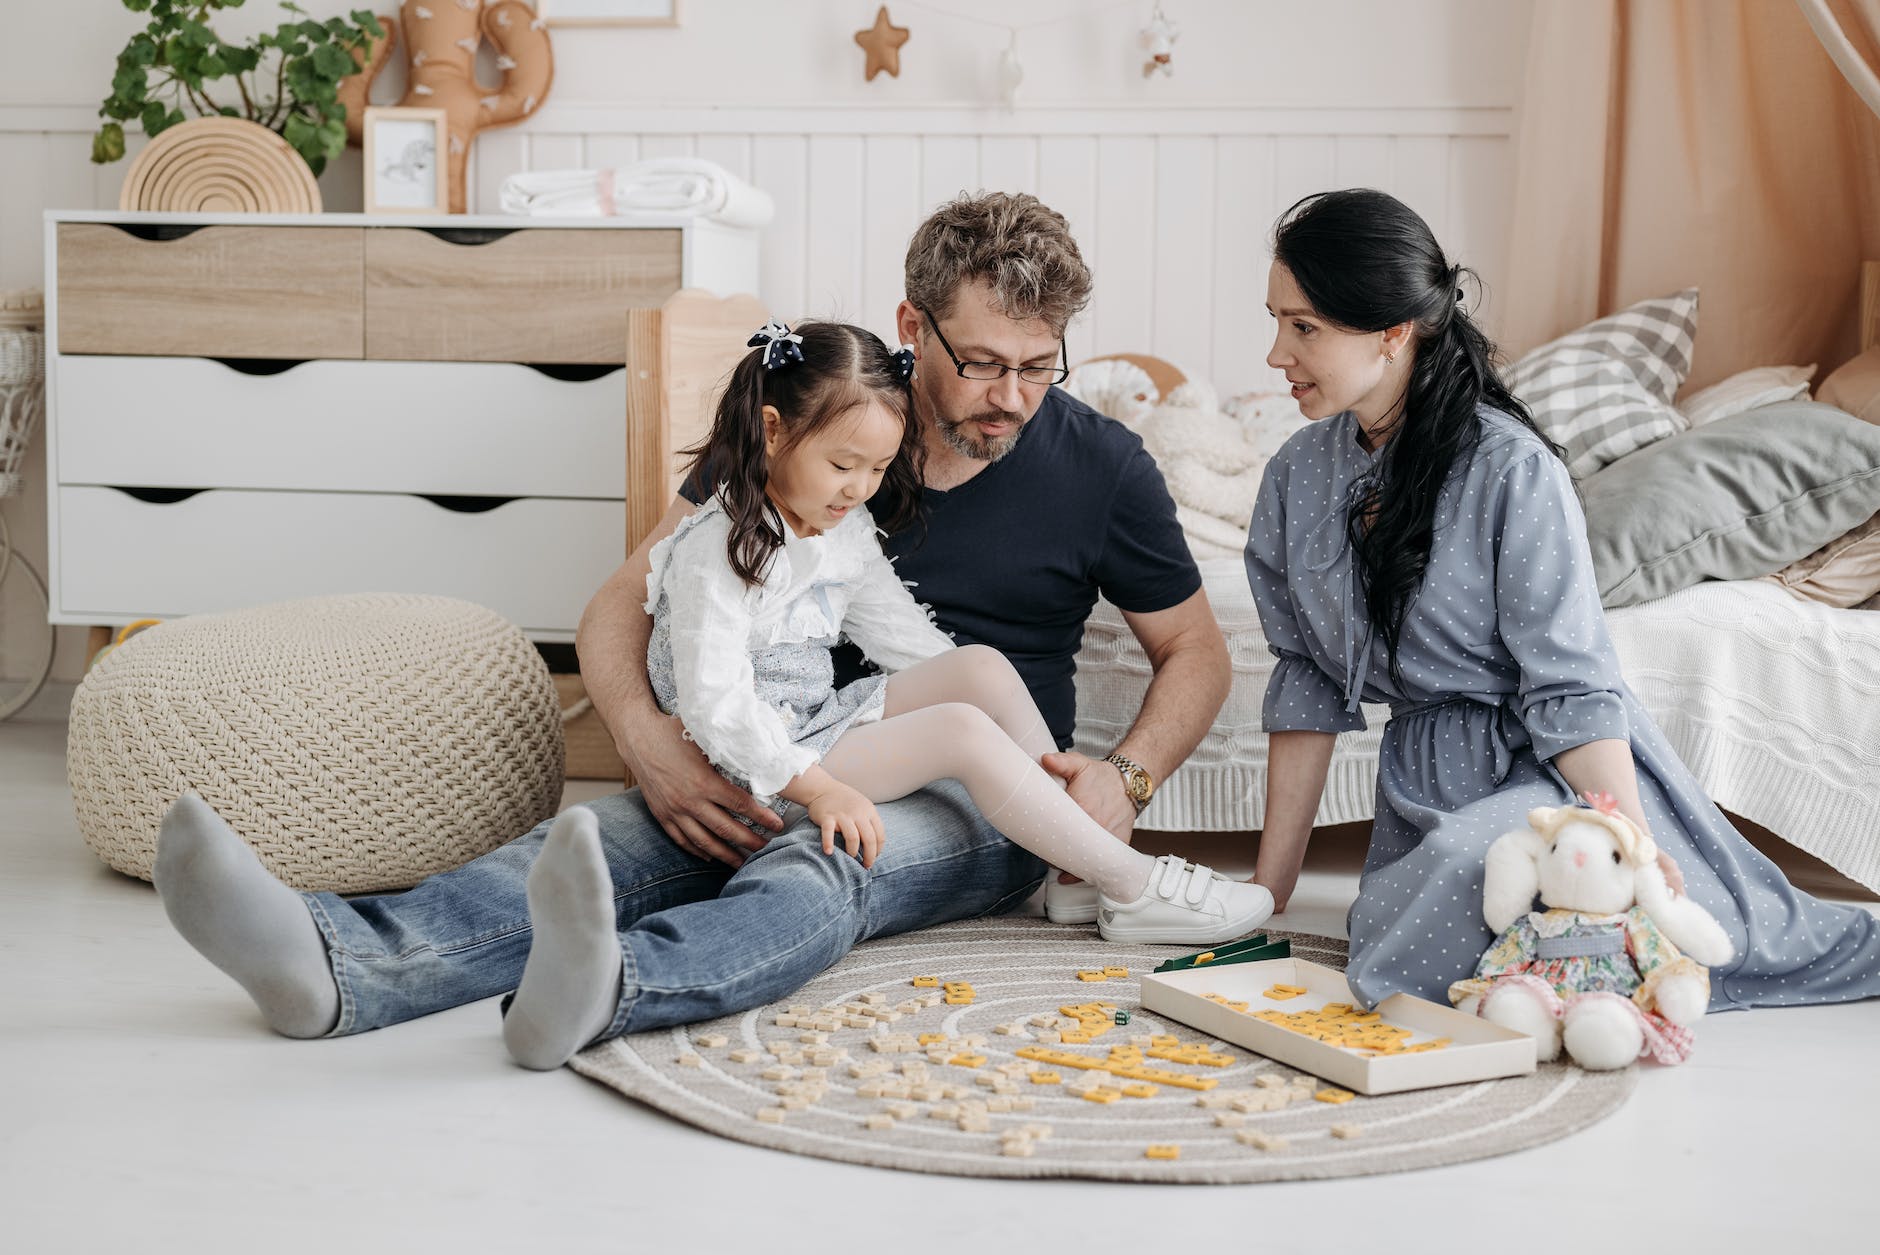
[1367, 262]
[843, 368]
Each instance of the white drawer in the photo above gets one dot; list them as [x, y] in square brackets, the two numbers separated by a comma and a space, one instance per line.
[469, 428]
[534, 561]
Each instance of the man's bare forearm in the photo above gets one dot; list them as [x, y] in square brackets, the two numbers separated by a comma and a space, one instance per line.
[1185, 694]
[611, 640]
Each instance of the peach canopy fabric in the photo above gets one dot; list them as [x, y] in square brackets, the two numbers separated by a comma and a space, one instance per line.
[1715, 143]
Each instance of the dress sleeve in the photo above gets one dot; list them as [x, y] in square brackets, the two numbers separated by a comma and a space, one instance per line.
[883, 619]
[1548, 614]
[1300, 697]
[710, 626]
[1656, 958]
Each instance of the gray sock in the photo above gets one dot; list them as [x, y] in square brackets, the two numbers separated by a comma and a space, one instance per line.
[243, 920]
[570, 987]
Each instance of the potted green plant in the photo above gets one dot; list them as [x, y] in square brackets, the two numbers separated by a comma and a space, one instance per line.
[286, 80]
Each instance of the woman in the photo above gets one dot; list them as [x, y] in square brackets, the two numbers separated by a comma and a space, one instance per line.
[1421, 544]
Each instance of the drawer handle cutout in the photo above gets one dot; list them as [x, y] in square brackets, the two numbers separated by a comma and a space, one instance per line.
[468, 236]
[156, 233]
[159, 496]
[575, 372]
[260, 365]
[466, 505]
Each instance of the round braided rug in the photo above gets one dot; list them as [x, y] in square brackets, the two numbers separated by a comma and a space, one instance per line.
[358, 742]
[1021, 967]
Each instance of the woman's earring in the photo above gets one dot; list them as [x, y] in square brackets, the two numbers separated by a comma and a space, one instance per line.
[1390, 359]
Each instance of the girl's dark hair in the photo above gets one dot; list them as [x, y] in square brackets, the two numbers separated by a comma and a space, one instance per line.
[1367, 262]
[843, 368]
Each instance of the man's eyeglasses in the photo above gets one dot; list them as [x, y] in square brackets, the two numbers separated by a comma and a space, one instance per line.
[997, 370]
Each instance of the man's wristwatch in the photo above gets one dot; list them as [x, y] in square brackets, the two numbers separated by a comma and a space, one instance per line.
[1139, 784]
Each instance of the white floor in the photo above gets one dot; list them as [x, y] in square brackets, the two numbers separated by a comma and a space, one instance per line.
[143, 1107]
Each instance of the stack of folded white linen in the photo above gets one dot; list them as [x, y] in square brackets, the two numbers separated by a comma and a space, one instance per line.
[681, 185]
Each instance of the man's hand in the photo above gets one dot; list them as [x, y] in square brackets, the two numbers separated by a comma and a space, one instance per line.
[1096, 786]
[689, 799]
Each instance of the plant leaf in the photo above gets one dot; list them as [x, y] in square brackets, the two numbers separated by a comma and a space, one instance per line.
[108, 144]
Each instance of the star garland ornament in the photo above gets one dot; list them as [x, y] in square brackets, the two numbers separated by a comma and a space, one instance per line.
[1011, 73]
[1158, 40]
[882, 42]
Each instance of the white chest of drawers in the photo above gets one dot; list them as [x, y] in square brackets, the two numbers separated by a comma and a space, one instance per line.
[247, 408]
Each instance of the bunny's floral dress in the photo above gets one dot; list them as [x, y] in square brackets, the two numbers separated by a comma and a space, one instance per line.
[1565, 956]
[1505, 663]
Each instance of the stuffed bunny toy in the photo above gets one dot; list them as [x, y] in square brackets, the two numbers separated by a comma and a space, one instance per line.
[1610, 970]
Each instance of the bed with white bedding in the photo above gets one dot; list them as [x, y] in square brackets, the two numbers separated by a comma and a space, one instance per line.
[1772, 701]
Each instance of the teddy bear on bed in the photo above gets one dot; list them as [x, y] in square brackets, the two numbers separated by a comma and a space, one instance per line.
[1610, 969]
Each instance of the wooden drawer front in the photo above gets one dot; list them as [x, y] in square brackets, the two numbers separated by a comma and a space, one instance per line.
[215, 291]
[535, 562]
[419, 427]
[542, 295]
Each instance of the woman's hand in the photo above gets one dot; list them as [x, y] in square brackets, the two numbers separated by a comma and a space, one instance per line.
[844, 810]
[1279, 874]
[1674, 879]
[688, 798]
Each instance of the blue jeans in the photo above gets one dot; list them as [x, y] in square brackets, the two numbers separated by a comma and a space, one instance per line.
[697, 939]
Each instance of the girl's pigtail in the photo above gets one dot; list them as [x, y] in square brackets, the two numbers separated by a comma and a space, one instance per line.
[733, 462]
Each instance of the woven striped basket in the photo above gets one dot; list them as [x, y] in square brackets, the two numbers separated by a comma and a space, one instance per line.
[357, 743]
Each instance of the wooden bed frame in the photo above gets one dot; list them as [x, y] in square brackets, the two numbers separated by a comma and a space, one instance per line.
[677, 358]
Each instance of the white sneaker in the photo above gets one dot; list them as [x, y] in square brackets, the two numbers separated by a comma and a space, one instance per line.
[1186, 903]
[1069, 904]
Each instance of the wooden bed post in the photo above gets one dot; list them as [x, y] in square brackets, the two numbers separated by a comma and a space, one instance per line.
[678, 357]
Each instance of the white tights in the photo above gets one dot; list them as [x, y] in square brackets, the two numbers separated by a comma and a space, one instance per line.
[966, 715]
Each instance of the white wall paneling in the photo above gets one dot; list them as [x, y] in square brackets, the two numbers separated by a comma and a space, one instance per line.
[1173, 207]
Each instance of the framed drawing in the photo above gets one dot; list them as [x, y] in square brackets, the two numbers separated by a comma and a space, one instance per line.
[407, 160]
[609, 12]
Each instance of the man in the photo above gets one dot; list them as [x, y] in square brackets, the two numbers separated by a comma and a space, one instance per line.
[659, 906]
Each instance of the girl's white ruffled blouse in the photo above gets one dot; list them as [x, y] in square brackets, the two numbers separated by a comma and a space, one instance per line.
[817, 588]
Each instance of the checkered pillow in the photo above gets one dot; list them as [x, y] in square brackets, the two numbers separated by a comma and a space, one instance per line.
[1606, 389]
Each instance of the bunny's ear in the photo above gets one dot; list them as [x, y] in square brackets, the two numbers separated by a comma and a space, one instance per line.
[1512, 876]
[1544, 819]
[1687, 925]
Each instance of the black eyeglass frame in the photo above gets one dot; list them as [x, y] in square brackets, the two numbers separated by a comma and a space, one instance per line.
[1058, 374]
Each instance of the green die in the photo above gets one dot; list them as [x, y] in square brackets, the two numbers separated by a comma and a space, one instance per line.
[1122, 1017]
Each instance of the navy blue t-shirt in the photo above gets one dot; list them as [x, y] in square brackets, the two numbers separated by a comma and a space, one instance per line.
[1015, 557]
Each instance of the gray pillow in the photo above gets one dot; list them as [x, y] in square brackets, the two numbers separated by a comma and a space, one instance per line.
[1741, 497]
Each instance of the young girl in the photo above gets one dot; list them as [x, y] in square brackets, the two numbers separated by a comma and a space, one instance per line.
[751, 592]
[1421, 544]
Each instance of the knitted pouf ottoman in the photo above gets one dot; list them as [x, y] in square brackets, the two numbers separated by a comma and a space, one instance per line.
[357, 743]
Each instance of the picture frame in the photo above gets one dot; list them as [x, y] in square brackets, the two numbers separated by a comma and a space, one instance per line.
[608, 12]
[407, 160]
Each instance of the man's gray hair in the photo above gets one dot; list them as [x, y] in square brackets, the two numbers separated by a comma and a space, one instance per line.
[1011, 242]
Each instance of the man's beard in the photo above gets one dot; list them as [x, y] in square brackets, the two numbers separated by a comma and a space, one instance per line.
[979, 449]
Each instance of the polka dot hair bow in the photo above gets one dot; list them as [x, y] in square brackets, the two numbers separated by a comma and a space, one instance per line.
[904, 362]
[781, 345]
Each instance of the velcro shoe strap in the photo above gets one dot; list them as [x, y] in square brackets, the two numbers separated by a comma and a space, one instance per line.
[1167, 883]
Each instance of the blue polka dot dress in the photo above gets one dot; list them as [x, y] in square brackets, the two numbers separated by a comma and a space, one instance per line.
[1506, 662]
